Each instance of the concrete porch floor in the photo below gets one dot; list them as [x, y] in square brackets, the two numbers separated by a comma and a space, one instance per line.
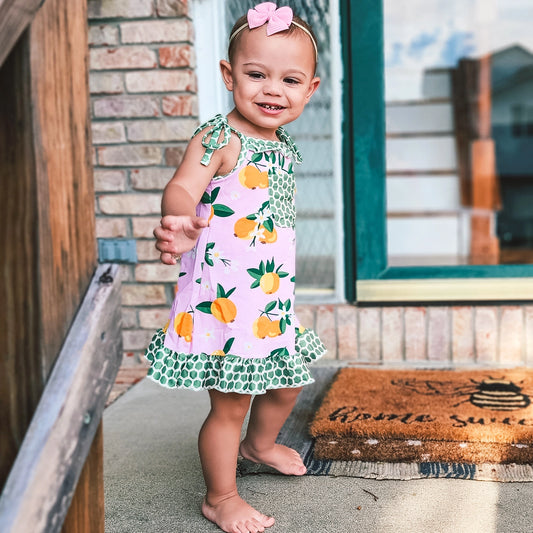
[153, 483]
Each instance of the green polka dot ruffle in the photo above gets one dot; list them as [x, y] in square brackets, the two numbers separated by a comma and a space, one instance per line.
[231, 373]
[281, 193]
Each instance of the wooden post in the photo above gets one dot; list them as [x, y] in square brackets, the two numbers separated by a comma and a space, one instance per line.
[47, 223]
[472, 100]
[15, 15]
[21, 371]
[86, 512]
[484, 244]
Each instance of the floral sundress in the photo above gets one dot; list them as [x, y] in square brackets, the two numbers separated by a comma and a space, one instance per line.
[232, 325]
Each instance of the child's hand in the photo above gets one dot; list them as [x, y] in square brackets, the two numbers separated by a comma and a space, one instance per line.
[177, 235]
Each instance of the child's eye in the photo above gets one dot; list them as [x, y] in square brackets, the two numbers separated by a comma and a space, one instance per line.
[255, 75]
[291, 81]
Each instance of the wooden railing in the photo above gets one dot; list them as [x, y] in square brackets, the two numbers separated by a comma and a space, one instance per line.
[42, 481]
[15, 15]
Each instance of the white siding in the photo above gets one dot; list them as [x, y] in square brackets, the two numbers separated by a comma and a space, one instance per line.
[421, 194]
[421, 154]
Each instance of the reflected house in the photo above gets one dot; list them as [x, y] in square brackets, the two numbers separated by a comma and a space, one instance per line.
[465, 152]
[493, 108]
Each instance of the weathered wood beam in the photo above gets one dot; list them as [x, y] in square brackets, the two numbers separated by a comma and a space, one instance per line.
[41, 483]
[15, 15]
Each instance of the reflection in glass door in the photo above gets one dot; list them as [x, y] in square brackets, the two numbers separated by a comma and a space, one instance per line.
[459, 92]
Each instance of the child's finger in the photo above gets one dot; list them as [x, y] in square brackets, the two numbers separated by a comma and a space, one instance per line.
[171, 222]
[168, 259]
[162, 234]
[199, 222]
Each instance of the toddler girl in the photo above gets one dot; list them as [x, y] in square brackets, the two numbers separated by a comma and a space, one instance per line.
[229, 213]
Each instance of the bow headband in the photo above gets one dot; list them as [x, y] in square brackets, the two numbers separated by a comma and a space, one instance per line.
[278, 19]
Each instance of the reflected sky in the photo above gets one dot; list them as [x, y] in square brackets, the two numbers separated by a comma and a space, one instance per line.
[422, 34]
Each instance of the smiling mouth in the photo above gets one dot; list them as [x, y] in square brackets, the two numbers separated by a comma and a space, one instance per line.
[271, 107]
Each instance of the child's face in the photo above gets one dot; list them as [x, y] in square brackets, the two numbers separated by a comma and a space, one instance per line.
[272, 78]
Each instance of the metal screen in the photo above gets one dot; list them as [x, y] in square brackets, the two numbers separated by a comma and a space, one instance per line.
[316, 227]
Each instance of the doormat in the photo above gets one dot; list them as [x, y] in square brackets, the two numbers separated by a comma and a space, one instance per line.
[295, 434]
[429, 416]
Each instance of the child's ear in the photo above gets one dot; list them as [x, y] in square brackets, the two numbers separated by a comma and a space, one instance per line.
[313, 86]
[227, 77]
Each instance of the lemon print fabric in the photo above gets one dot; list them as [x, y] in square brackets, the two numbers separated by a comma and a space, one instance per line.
[233, 326]
[267, 276]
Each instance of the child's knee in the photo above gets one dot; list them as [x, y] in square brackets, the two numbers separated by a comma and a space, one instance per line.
[230, 406]
[286, 395]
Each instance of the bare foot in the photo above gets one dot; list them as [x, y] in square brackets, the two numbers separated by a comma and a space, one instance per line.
[234, 515]
[282, 458]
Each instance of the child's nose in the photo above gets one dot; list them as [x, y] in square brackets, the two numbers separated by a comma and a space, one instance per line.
[272, 87]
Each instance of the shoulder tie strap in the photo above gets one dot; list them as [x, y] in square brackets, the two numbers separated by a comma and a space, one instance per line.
[293, 149]
[215, 138]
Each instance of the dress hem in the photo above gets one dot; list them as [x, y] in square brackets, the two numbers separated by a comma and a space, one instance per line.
[232, 373]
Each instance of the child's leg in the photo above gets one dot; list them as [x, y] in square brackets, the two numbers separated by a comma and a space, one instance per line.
[268, 414]
[218, 444]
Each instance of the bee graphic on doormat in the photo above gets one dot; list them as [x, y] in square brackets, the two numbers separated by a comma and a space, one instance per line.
[490, 393]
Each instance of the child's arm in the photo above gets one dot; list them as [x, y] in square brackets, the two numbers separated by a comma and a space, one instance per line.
[180, 227]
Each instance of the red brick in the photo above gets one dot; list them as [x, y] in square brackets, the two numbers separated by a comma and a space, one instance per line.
[178, 129]
[369, 331]
[438, 334]
[347, 332]
[528, 311]
[106, 83]
[103, 9]
[179, 55]
[143, 227]
[146, 250]
[126, 106]
[108, 132]
[128, 57]
[392, 336]
[306, 315]
[157, 272]
[153, 318]
[109, 180]
[463, 334]
[180, 105]
[156, 31]
[511, 335]
[415, 334]
[151, 178]
[326, 330]
[111, 227]
[112, 156]
[174, 155]
[141, 294]
[129, 318]
[131, 375]
[160, 81]
[132, 203]
[136, 339]
[103, 35]
[172, 8]
[486, 330]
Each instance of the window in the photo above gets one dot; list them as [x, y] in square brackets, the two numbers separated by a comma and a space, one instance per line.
[442, 191]
[522, 120]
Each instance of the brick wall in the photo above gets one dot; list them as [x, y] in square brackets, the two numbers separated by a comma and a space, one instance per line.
[436, 336]
[144, 109]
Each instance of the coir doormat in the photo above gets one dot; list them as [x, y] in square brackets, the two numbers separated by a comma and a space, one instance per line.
[481, 416]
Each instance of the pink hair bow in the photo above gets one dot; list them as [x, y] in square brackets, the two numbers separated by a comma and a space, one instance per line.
[278, 19]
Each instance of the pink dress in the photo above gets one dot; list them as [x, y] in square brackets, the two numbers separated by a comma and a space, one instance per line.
[232, 325]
